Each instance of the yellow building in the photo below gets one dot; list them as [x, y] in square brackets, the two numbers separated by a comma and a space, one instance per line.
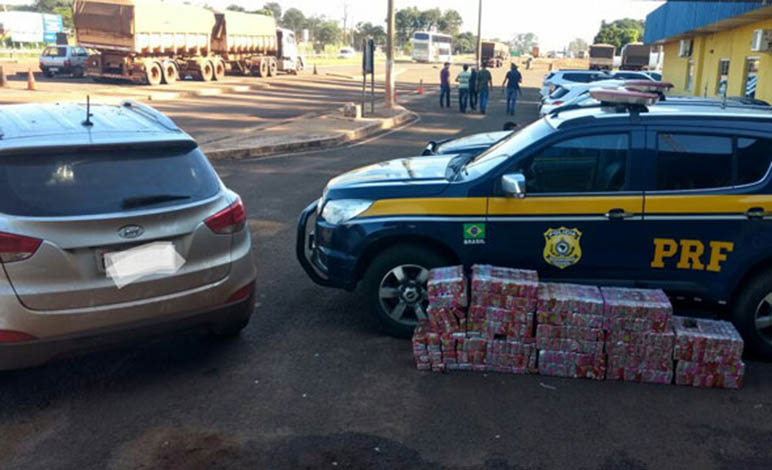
[712, 48]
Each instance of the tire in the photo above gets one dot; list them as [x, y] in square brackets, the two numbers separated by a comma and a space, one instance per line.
[219, 70]
[48, 74]
[415, 261]
[206, 71]
[753, 302]
[261, 70]
[273, 67]
[154, 74]
[77, 72]
[239, 319]
[170, 73]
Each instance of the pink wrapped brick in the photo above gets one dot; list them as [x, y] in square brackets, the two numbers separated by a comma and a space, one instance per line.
[639, 375]
[444, 319]
[656, 323]
[449, 282]
[640, 363]
[511, 357]
[700, 340]
[567, 364]
[570, 298]
[638, 350]
[570, 345]
[504, 281]
[660, 341]
[521, 304]
[715, 368]
[709, 380]
[636, 303]
[570, 319]
[570, 332]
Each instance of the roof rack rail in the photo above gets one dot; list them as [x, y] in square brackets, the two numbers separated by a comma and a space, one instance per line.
[150, 113]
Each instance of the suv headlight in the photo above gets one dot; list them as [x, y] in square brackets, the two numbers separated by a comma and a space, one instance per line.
[342, 210]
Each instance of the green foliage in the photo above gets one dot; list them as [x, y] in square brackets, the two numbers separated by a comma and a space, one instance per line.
[451, 22]
[294, 19]
[465, 43]
[274, 8]
[369, 30]
[578, 45]
[620, 32]
[328, 32]
[523, 43]
[234, 7]
[409, 20]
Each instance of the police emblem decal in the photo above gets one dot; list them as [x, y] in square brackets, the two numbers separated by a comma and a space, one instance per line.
[561, 247]
[474, 234]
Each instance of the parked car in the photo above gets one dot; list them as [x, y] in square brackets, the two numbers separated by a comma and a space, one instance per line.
[467, 145]
[562, 77]
[656, 76]
[630, 75]
[673, 197]
[585, 100]
[64, 60]
[567, 92]
[81, 195]
[346, 53]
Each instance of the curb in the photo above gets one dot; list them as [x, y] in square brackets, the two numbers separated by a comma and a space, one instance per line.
[313, 144]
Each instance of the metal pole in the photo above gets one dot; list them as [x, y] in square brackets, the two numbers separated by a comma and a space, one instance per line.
[479, 35]
[390, 57]
[364, 75]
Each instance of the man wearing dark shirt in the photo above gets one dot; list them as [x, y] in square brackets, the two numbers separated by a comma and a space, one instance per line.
[512, 82]
[484, 82]
[445, 86]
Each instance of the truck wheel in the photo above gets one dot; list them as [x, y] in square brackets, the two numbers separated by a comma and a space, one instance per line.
[154, 74]
[219, 69]
[262, 68]
[77, 72]
[752, 314]
[273, 67]
[170, 73]
[206, 71]
[395, 286]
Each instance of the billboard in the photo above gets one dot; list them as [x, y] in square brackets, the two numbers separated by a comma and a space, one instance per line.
[25, 26]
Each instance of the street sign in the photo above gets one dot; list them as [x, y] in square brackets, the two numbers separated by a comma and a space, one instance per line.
[368, 56]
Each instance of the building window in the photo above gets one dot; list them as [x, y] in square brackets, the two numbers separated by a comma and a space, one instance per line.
[751, 76]
[690, 76]
[723, 77]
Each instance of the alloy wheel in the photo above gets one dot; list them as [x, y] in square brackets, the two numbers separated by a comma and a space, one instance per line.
[402, 293]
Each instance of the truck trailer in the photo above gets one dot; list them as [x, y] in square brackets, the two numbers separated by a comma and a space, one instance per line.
[602, 56]
[494, 53]
[635, 56]
[152, 42]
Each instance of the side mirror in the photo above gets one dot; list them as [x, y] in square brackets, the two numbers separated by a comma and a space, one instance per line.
[513, 185]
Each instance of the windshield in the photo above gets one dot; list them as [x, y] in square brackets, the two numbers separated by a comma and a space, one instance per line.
[506, 148]
[55, 52]
[83, 182]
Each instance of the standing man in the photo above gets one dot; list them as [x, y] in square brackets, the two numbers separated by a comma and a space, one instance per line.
[463, 88]
[484, 82]
[512, 82]
[473, 89]
[445, 86]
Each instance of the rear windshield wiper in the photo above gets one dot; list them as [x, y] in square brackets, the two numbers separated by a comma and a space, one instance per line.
[141, 201]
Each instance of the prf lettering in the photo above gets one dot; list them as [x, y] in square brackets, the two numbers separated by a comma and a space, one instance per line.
[691, 254]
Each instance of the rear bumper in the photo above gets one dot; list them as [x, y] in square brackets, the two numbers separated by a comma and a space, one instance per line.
[34, 353]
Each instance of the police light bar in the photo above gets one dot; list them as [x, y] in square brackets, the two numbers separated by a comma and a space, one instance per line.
[623, 96]
[647, 86]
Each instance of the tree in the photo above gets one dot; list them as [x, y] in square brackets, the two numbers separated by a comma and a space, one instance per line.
[465, 43]
[274, 8]
[368, 30]
[328, 33]
[620, 32]
[294, 19]
[234, 7]
[451, 22]
[406, 22]
[577, 45]
[430, 19]
[524, 42]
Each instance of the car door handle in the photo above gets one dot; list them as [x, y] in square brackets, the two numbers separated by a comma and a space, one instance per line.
[618, 214]
[757, 213]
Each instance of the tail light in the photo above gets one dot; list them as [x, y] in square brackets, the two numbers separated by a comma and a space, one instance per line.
[17, 247]
[7, 336]
[232, 219]
[242, 293]
[557, 103]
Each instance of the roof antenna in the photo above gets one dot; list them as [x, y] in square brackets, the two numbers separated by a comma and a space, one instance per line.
[88, 122]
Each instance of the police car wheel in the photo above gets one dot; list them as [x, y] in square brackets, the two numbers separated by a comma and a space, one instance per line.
[752, 315]
[395, 286]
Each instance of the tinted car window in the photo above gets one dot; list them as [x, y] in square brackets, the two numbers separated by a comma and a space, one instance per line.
[559, 93]
[595, 163]
[753, 159]
[98, 182]
[55, 52]
[693, 162]
[578, 77]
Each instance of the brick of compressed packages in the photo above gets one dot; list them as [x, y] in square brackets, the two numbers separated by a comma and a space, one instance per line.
[640, 369]
[637, 303]
[639, 324]
[444, 320]
[570, 345]
[570, 332]
[448, 284]
[570, 298]
[484, 299]
[658, 341]
[574, 365]
[709, 380]
[420, 346]
[570, 319]
[701, 340]
[493, 321]
[504, 281]
[511, 357]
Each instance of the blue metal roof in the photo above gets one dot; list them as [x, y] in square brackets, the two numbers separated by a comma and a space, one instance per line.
[677, 17]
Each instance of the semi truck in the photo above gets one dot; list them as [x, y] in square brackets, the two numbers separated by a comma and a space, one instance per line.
[635, 56]
[602, 56]
[152, 42]
[494, 53]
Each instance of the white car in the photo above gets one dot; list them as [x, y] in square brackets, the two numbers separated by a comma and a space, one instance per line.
[568, 92]
[563, 77]
[346, 53]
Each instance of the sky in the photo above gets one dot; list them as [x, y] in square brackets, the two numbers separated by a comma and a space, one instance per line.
[555, 22]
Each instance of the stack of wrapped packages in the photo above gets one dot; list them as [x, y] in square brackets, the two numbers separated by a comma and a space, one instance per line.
[640, 335]
[502, 314]
[570, 335]
[708, 353]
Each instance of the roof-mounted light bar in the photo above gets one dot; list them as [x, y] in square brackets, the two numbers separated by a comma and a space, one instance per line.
[647, 86]
[624, 97]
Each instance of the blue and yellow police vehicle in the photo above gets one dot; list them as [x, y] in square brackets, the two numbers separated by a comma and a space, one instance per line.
[624, 193]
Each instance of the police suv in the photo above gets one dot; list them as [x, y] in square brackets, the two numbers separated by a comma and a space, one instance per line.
[623, 193]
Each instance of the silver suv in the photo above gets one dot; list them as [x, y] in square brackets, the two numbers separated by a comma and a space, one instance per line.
[113, 224]
[67, 60]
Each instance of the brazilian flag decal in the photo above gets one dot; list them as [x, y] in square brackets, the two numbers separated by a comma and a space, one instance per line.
[474, 234]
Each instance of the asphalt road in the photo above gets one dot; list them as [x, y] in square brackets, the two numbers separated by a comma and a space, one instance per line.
[312, 383]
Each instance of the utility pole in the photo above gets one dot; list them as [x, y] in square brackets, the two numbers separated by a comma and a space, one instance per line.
[390, 57]
[479, 35]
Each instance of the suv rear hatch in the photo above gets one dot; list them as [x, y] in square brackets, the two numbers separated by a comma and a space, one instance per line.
[82, 203]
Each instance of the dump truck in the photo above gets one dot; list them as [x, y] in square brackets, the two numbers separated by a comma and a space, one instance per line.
[635, 56]
[494, 53]
[152, 42]
[602, 56]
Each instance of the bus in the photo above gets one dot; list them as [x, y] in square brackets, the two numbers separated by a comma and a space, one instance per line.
[432, 47]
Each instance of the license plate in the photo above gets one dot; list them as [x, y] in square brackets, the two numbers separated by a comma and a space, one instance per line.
[53, 69]
[127, 266]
